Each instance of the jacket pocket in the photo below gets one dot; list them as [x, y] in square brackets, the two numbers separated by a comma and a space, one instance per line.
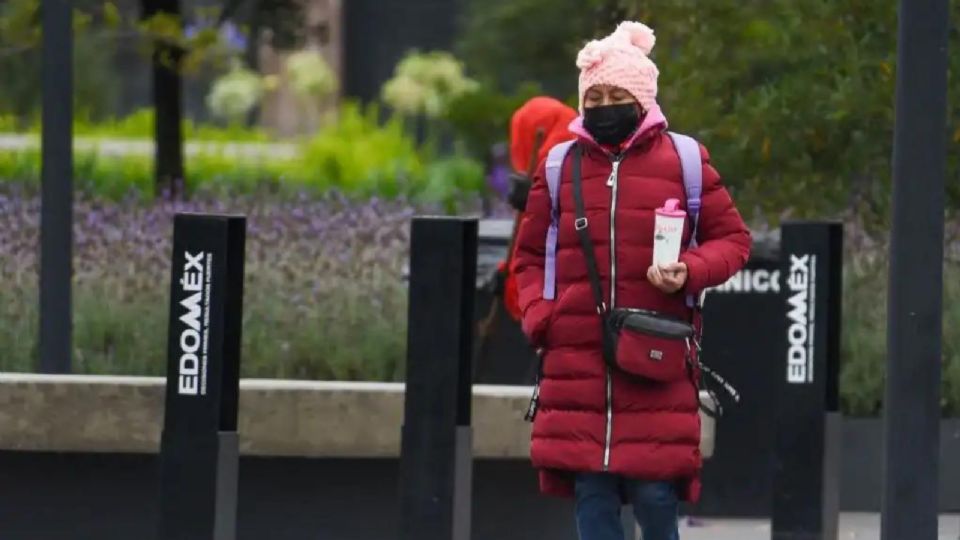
[536, 321]
[655, 358]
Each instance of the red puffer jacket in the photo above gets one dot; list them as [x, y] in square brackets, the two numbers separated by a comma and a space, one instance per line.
[590, 418]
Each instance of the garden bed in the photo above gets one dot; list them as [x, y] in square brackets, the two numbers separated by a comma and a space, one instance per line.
[325, 296]
[324, 293]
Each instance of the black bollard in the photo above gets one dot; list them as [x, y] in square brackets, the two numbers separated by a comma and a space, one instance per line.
[56, 212]
[911, 407]
[436, 450]
[807, 450]
[199, 450]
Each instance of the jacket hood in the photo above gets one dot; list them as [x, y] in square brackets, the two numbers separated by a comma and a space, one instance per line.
[541, 112]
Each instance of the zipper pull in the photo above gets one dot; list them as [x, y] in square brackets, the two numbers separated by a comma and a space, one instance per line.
[613, 172]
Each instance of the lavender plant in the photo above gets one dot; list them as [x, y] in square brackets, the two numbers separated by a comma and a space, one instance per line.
[324, 293]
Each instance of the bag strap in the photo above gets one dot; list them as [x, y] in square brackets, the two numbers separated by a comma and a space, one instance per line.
[581, 226]
[554, 165]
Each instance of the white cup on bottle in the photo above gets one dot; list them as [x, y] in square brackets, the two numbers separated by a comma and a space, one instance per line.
[668, 233]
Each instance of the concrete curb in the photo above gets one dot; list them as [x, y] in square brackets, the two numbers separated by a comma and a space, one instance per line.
[80, 413]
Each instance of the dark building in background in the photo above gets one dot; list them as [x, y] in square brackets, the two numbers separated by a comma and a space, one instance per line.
[378, 33]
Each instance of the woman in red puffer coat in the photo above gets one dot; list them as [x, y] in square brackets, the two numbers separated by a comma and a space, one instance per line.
[598, 434]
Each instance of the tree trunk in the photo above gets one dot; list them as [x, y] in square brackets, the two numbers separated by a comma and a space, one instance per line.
[168, 108]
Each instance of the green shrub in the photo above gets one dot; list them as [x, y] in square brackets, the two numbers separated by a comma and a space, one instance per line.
[139, 125]
[481, 117]
[425, 84]
[20, 61]
[235, 94]
[864, 342]
[357, 155]
[951, 342]
[793, 98]
[446, 180]
[8, 123]
[510, 41]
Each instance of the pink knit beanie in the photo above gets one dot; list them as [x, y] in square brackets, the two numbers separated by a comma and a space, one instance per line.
[621, 59]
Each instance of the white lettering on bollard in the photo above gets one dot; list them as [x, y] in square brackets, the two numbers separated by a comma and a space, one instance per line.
[193, 335]
[801, 282]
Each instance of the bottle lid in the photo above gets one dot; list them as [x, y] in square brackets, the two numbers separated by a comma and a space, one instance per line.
[671, 208]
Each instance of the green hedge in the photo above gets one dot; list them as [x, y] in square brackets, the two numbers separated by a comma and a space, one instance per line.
[139, 125]
[864, 341]
[357, 155]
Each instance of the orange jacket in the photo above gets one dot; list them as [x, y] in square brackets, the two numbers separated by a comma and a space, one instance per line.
[553, 117]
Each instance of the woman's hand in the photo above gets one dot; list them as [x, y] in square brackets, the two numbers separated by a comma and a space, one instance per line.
[669, 278]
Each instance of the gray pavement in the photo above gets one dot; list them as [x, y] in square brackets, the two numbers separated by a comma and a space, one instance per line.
[853, 526]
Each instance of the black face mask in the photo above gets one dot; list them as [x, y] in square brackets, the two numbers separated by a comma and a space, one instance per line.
[611, 124]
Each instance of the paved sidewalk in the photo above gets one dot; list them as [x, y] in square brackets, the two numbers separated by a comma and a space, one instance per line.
[852, 527]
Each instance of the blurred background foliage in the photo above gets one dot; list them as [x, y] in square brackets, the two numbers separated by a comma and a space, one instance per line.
[793, 98]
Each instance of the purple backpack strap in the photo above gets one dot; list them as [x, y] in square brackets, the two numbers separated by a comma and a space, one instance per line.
[690, 163]
[553, 166]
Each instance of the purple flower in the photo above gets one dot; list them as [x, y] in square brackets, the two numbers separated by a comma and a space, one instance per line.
[233, 37]
[230, 35]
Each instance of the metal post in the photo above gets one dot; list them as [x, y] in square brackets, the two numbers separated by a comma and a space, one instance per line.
[198, 450]
[56, 214]
[807, 448]
[914, 307]
[436, 457]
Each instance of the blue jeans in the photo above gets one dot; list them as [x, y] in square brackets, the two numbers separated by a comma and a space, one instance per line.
[598, 504]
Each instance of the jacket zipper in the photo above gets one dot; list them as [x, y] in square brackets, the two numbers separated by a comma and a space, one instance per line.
[612, 182]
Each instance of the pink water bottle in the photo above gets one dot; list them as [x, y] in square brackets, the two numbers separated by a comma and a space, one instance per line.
[668, 233]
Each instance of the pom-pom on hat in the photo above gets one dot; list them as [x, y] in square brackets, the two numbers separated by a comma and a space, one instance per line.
[621, 59]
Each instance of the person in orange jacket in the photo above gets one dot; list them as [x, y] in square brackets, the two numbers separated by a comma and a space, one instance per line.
[536, 127]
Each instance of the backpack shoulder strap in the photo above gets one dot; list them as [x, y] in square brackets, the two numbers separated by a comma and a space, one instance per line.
[689, 151]
[554, 165]
[555, 158]
[692, 167]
